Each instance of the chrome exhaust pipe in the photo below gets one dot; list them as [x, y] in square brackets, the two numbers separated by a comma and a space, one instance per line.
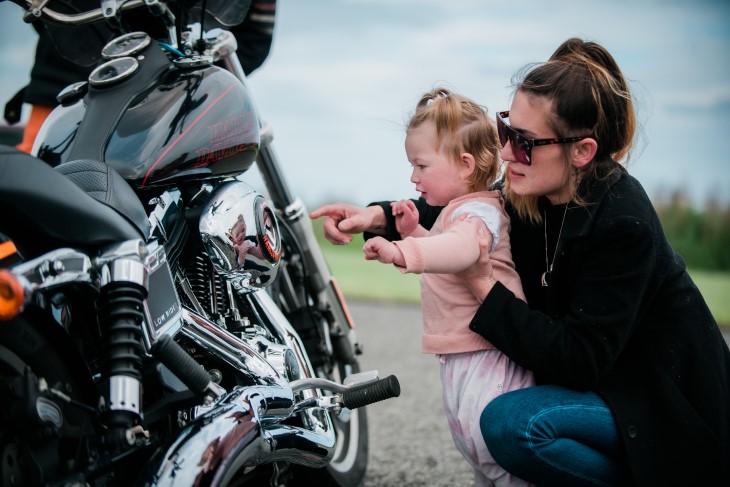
[231, 436]
[242, 428]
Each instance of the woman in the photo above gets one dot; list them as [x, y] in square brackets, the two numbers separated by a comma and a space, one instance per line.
[633, 375]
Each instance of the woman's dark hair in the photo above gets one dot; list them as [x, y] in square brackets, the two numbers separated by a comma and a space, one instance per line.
[590, 96]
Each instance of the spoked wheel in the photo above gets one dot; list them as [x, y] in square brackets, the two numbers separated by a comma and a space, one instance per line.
[350, 460]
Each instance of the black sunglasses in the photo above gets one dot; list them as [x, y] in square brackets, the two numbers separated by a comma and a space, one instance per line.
[522, 146]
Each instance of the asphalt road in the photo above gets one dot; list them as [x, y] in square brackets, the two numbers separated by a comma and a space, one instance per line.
[410, 443]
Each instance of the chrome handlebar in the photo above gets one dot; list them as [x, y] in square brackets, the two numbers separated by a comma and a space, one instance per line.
[36, 9]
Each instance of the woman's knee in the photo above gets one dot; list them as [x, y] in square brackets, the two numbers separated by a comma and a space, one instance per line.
[500, 427]
[494, 417]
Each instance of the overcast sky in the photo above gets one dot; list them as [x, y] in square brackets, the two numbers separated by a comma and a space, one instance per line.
[343, 76]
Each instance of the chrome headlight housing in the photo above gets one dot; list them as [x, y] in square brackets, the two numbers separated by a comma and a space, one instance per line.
[240, 232]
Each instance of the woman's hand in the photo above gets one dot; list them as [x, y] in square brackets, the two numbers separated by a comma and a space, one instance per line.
[377, 248]
[406, 217]
[343, 220]
[479, 277]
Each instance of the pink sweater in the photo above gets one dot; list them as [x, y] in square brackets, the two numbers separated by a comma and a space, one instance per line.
[448, 304]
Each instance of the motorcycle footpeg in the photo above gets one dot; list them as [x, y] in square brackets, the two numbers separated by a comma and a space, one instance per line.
[374, 392]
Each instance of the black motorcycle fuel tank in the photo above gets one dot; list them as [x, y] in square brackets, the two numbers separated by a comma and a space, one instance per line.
[156, 121]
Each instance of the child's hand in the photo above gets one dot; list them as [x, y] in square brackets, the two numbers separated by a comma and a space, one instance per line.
[406, 217]
[378, 248]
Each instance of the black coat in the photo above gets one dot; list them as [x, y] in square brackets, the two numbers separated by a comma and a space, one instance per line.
[623, 318]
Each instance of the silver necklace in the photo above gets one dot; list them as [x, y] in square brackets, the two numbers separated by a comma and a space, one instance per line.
[545, 278]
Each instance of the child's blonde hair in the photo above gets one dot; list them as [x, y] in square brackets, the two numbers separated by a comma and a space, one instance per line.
[462, 125]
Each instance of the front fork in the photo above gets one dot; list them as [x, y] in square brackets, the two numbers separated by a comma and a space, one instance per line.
[325, 292]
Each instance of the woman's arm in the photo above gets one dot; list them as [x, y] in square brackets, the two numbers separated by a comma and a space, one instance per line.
[344, 220]
[598, 295]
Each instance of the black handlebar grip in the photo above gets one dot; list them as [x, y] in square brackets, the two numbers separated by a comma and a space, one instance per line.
[185, 367]
[377, 391]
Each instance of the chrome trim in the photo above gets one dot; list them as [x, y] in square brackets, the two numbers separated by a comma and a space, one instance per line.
[125, 394]
[239, 355]
[241, 236]
[77, 19]
[113, 71]
[124, 270]
[128, 44]
[234, 426]
[128, 248]
[167, 205]
[221, 44]
[124, 262]
[295, 210]
[284, 329]
[278, 403]
[61, 266]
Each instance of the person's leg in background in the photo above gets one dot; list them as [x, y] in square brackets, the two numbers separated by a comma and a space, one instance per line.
[38, 115]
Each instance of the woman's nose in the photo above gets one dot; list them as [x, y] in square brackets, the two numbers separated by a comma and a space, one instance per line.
[506, 152]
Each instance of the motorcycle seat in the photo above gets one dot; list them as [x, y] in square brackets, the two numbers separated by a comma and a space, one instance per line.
[42, 209]
[107, 186]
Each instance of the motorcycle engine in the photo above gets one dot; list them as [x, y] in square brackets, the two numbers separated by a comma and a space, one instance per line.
[241, 235]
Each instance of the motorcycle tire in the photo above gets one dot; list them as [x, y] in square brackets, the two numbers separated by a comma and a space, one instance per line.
[350, 460]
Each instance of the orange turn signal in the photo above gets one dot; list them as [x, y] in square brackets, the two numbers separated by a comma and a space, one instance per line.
[12, 295]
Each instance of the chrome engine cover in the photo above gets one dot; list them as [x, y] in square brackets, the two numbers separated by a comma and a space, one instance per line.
[241, 234]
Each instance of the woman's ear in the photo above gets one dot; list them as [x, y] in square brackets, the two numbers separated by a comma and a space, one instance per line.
[468, 164]
[584, 151]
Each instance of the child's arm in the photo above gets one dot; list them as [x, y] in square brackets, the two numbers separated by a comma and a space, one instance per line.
[447, 253]
[377, 248]
[406, 219]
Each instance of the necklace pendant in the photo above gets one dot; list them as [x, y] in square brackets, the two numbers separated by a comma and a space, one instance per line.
[544, 279]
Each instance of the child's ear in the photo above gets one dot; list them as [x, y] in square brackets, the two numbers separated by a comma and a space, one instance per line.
[468, 164]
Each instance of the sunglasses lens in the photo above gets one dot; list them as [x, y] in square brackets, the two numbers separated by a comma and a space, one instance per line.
[520, 148]
[518, 144]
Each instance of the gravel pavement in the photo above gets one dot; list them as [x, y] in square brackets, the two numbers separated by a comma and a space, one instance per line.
[410, 443]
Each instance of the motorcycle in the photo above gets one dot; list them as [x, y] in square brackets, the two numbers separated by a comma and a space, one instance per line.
[161, 321]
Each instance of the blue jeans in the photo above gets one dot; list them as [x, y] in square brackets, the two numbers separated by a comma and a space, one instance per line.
[550, 435]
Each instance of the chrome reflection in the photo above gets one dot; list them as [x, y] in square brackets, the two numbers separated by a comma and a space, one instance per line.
[241, 235]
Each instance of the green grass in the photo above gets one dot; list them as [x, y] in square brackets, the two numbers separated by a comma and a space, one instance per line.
[361, 279]
[715, 287]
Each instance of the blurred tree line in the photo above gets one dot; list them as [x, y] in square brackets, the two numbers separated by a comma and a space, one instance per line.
[701, 237]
